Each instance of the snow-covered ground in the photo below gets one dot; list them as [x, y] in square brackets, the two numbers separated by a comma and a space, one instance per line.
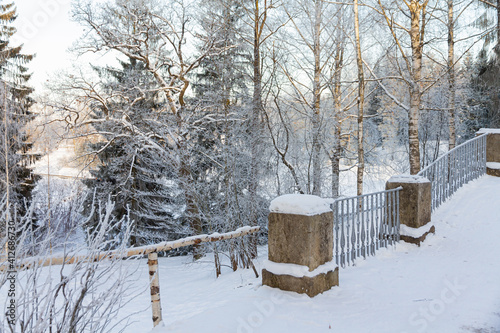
[449, 284]
[62, 162]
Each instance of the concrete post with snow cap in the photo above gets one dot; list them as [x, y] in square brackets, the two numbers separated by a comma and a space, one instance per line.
[492, 150]
[415, 203]
[300, 241]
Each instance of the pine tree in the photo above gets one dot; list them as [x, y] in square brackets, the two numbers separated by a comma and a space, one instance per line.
[222, 146]
[482, 103]
[140, 182]
[16, 178]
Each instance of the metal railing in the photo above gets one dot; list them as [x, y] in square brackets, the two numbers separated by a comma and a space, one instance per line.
[363, 224]
[460, 165]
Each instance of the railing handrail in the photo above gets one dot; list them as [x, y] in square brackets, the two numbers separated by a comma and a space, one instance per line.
[455, 168]
[365, 223]
[367, 194]
[428, 167]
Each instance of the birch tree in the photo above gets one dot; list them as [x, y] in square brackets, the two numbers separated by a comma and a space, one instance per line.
[415, 30]
[360, 101]
[451, 77]
[311, 42]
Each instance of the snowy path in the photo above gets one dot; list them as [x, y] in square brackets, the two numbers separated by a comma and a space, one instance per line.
[450, 284]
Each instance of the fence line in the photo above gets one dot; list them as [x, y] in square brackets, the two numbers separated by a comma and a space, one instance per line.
[365, 223]
[457, 167]
[135, 251]
[150, 250]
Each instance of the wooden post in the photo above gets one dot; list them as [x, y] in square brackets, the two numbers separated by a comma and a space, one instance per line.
[155, 287]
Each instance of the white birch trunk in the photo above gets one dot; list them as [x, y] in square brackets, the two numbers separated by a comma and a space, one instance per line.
[154, 282]
[316, 116]
[361, 102]
[451, 78]
[337, 93]
[416, 35]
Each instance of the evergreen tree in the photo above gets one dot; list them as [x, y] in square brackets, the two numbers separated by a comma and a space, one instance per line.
[222, 145]
[16, 178]
[482, 98]
[135, 176]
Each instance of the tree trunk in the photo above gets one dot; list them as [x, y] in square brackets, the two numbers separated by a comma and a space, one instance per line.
[361, 102]
[192, 212]
[451, 78]
[416, 35]
[316, 116]
[255, 129]
[154, 282]
[337, 97]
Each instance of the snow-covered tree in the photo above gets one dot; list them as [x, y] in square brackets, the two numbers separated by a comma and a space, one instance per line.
[16, 179]
[132, 172]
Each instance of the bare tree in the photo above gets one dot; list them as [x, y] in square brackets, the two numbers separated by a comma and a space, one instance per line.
[72, 297]
[415, 31]
[311, 43]
[361, 101]
[451, 77]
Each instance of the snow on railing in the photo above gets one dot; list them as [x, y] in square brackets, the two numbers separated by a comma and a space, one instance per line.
[457, 167]
[365, 223]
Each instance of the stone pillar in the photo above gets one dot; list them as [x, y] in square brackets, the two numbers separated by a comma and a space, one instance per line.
[300, 242]
[414, 207]
[492, 150]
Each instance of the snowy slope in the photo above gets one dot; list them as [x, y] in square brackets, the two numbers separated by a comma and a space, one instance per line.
[449, 284]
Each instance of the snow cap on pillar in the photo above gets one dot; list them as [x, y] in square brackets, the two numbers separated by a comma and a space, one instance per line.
[300, 204]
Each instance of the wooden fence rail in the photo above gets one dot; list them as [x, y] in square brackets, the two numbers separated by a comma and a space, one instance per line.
[134, 251]
[150, 250]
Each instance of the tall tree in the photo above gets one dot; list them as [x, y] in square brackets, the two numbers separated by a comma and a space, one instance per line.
[132, 173]
[361, 101]
[223, 93]
[451, 77]
[16, 179]
[258, 13]
[310, 42]
[415, 28]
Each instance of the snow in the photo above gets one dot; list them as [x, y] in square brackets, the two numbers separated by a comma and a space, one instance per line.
[408, 179]
[62, 162]
[298, 271]
[448, 284]
[300, 204]
[493, 165]
[405, 230]
[489, 131]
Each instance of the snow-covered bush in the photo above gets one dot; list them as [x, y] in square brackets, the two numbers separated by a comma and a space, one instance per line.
[80, 296]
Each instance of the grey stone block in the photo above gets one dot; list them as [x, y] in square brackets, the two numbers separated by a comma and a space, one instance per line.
[300, 239]
[311, 286]
[493, 147]
[414, 199]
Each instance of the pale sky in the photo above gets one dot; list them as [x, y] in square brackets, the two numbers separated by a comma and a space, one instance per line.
[45, 29]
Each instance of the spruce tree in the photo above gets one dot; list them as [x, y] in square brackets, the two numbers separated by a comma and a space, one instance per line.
[16, 178]
[132, 174]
